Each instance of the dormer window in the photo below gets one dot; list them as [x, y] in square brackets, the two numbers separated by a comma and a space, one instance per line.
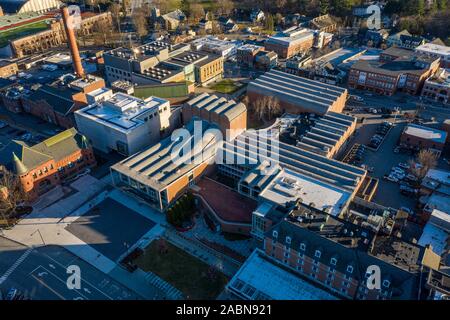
[288, 240]
[317, 254]
[333, 261]
[302, 246]
[350, 269]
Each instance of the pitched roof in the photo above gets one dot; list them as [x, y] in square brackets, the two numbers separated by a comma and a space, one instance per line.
[22, 158]
[404, 283]
[59, 99]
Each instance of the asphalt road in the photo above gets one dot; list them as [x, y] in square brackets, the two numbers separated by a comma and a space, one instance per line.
[41, 274]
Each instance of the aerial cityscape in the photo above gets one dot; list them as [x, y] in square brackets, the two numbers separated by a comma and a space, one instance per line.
[224, 150]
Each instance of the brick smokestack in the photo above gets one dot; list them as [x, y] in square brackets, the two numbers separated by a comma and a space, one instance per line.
[69, 27]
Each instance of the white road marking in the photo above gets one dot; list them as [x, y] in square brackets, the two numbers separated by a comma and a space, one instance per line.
[15, 265]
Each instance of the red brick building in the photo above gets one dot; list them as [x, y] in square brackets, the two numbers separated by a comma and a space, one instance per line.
[49, 163]
[396, 70]
[420, 137]
[56, 104]
[336, 254]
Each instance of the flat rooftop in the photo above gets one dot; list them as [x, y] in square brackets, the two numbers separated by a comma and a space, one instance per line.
[393, 68]
[434, 48]
[261, 279]
[291, 36]
[290, 186]
[297, 90]
[121, 111]
[220, 106]
[427, 133]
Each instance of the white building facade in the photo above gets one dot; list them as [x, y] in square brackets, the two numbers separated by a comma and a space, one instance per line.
[124, 123]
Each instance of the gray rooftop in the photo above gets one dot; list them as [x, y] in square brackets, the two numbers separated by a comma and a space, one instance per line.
[220, 106]
[315, 95]
[155, 166]
[336, 173]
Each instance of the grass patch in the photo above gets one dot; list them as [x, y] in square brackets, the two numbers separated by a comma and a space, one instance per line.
[226, 86]
[185, 272]
[22, 31]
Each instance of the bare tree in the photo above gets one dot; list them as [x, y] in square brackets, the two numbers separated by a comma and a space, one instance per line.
[426, 160]
[273, 106]
[116, 12]
[224, 7]
[140, 20]
[11, 193]
[196, 12]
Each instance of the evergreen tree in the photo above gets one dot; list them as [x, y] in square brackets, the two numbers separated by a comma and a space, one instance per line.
[324, 6]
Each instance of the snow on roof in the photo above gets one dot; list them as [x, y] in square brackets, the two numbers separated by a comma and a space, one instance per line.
[259, 278]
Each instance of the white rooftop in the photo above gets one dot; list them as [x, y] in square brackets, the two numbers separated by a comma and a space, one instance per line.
[259, 279]
[426, 133]
[434, 48]
[436, 232]
[290, 186]
[434, 236]
[121, 111]
[291, 36]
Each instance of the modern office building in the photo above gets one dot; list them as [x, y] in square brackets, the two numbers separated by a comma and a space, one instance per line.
[123, 123]
[436, 51]
[396, 70]
[161, 173]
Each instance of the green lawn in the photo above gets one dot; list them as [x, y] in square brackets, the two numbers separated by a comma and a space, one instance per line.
[185, 272]
[22, 31]
[225, 86]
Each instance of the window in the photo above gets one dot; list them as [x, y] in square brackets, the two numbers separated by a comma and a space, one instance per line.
[275, 234]
[333, 261]
[302, 246]
[350, 269]
[288, 240]
[386, 283]
[317, 254]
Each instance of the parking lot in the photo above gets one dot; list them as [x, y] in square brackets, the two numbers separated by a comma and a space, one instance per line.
[41, 274]
[110, 228]
[382, 158]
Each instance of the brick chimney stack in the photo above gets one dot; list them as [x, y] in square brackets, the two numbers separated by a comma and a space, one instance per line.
[69, 27]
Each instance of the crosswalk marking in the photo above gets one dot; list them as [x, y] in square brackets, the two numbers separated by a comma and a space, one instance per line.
[15, 265]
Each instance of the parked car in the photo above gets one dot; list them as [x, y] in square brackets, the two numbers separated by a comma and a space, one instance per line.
[407, 210]
[392, 178]
[404, 165]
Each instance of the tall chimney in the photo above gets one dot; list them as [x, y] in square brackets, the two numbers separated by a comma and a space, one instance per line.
[69, 27]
